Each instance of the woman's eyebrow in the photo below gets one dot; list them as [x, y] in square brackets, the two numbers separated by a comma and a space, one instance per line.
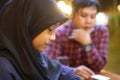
[52, 27]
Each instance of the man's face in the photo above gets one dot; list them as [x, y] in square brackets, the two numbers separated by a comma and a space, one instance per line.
[43, 39]
[84, 18]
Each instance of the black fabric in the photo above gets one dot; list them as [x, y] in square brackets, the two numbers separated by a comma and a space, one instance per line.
[7, 71]
[20, 22]
[2, 2]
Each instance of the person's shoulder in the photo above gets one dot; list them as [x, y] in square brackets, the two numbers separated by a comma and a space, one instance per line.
[101, 27]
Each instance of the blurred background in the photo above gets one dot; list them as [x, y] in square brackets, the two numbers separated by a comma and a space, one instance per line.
[109, 15]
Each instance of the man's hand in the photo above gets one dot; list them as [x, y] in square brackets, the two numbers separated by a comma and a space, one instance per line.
[82, 36]
[84, 72]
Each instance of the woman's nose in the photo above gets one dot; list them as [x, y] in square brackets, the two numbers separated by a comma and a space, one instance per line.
[52, 37]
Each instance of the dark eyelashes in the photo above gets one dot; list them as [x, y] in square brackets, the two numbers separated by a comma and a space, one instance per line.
[49, 29]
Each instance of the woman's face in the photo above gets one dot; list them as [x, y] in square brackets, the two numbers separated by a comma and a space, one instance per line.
[41, 41]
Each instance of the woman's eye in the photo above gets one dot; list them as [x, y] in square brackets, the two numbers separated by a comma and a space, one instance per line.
[49, 29]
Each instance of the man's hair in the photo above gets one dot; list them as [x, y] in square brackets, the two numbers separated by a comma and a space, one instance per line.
[77, 4]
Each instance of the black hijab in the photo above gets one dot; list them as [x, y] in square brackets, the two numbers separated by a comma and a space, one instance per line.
[20, 22]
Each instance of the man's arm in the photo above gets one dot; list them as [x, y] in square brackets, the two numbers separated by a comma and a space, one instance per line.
[97, 57]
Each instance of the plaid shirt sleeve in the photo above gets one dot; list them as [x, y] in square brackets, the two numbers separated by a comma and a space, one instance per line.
[97, 57]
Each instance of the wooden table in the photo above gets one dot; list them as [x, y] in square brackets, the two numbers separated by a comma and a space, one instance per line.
[113, 76]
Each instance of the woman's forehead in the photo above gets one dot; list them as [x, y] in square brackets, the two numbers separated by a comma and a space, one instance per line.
[52, 27]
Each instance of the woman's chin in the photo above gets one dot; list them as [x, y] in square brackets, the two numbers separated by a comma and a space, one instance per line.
[42, 49]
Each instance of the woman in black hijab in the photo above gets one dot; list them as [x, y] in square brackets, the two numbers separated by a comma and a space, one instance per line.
[20, 22]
